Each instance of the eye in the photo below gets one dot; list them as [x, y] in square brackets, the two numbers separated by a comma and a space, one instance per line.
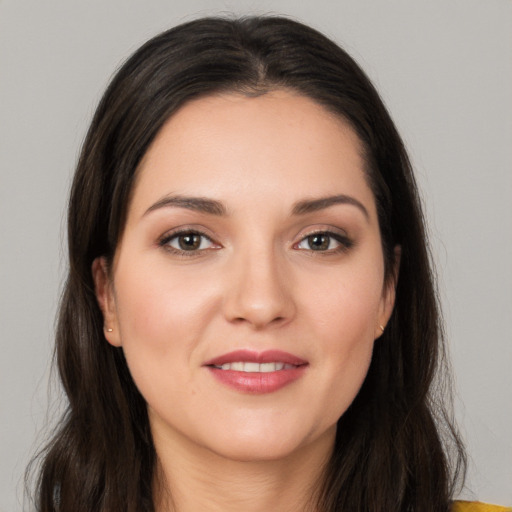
[187, 242]
[324, 241]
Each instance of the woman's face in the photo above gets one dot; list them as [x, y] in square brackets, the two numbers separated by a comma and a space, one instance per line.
[248, 287]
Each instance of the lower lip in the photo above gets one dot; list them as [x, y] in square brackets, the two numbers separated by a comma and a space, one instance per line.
[257, 383]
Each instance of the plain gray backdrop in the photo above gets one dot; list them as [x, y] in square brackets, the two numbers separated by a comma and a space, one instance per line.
[444, 69]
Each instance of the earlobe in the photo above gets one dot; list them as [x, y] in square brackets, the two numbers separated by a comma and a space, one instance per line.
[105, 296]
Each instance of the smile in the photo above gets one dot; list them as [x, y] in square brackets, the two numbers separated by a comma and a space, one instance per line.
[250, 372]
[250, 367]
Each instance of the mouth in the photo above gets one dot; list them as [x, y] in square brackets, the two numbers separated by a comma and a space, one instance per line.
[257, 372]
[250, 367]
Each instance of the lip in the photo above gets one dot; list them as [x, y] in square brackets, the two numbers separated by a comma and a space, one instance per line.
[251, 356]
[256, 382]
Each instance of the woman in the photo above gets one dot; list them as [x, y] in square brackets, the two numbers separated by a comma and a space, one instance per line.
[250, 319]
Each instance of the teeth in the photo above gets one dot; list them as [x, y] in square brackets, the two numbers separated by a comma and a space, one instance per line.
[267, 367]
[241, 366]
[251, 367]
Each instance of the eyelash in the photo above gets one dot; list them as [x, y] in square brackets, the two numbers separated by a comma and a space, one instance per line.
[167, 238]
[344, 242]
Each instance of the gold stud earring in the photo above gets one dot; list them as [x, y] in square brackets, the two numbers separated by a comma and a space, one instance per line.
[382, 328]
[109, 329]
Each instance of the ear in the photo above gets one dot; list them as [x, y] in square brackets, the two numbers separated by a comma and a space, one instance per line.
[104, 289]
[388, 295]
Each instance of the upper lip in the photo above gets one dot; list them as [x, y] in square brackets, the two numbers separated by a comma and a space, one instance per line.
[251, 356]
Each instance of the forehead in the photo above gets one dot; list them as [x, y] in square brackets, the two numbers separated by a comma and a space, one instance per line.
[281, 146]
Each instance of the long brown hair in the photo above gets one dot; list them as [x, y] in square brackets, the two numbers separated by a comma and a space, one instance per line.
[396, 447]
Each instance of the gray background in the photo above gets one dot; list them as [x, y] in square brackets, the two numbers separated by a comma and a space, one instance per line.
[444, 68]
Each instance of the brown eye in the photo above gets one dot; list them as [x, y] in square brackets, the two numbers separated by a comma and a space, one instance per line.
[189, 241]
[325, 241]
[319, 242]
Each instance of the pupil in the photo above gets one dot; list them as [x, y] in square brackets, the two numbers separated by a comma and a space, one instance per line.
[318, 242]
[189, 242]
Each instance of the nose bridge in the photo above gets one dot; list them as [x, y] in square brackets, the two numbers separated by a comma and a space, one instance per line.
[259, 292]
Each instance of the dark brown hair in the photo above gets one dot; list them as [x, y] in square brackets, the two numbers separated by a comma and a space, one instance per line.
[392, 445]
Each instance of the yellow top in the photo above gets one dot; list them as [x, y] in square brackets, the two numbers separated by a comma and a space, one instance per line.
[475, 506]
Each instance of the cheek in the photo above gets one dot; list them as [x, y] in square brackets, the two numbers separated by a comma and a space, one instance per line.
[160, 318]
[344, 318]
[346, 304]
[158, 304]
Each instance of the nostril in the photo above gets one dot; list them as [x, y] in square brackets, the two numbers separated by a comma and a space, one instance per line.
[259, 322]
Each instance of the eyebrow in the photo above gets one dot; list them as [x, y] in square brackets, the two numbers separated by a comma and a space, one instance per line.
[213, 207]
[314, 205]
[198, 204]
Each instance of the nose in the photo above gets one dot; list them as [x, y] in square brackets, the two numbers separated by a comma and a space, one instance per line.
[259, 291]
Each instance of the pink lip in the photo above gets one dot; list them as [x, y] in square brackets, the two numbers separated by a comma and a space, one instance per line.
[269, 356]
[255, 382]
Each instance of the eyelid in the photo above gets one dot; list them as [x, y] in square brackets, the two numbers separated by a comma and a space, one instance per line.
[342, 238]
[163, 241]
[339, 235]
[322, 228]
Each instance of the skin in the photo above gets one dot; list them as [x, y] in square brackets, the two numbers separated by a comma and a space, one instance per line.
[254, 283]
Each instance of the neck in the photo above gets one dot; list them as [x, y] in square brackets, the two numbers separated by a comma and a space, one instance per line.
[191, 478]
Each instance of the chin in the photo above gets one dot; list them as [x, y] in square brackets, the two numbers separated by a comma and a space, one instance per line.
[268, 446]
[257, 451]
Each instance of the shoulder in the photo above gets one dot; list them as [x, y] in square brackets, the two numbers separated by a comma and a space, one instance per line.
[475, 506]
